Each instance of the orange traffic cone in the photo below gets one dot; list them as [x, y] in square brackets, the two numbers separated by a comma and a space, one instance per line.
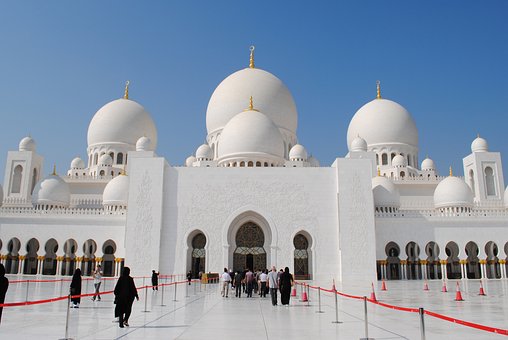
[293, 292]
[425, 286]
[482, 292]
[458, 295]
[373, 294]
[304, 295]
[383, 285]
[444, 290]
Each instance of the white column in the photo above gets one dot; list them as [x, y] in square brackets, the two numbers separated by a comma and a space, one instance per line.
[482, 269]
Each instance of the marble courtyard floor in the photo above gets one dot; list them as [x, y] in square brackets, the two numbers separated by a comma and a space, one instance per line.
[200, 312]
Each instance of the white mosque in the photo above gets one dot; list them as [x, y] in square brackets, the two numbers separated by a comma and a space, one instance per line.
[252, 196]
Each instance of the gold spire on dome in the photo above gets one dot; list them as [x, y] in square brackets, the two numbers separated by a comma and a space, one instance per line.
[378, 86]
[378, 172]
[451, 172]
[54, 170]
[126, 93]
[251, 105]
[251, 61]
[123, 172]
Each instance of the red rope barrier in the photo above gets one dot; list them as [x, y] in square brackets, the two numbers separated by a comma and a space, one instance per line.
[467, 323]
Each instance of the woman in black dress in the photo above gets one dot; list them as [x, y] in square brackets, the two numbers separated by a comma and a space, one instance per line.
[4, 284]
[286, 281]
[76, 288]
[125, 292]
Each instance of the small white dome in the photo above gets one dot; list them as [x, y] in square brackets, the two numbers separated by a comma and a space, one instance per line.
[399, 161]
[77, 163]
[52, 190]
[383, 121]
[505, 198]
[190, 161]
[313, 162]
[116, 192]
[121, 121]
[358, 144]
[204, 153]
[479, 145]
[298, 152]
[271, 96]
[428, 164]
[251, 135]
[27, 144]
[453, 192]
[385, 193]
[105, 160]
[144, 144]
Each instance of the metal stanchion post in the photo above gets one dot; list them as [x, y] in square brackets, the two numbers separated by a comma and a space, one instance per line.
[27, 284]
[194, 284]
[146, 299]
[422, 323]
[366, 320]
[174, 283]
[308, 294]
[319, 300]
[186, 290]
[67, 319]
[162, 294]
[336, 306]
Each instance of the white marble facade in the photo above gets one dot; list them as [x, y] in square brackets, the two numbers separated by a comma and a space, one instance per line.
[253, 197]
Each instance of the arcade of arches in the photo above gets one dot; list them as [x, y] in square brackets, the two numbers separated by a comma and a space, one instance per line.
[249, 251]
[434, 264]
[32, 259]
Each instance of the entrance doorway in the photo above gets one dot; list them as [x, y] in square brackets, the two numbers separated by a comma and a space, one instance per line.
[249, 252]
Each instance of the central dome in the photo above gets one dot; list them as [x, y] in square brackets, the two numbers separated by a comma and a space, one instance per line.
[383, 121]
[272, 98]
[121, 121]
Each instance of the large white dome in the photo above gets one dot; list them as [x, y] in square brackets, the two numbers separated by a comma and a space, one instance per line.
[116, 192]
[385, 193]
[52, 190]
[383, 121]
[250, 134]
[453, 192]
[121, 121]
[271, 95]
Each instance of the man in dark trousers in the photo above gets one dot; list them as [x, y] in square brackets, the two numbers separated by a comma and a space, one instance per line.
[125, 292]
[155, 280]
[4, 284]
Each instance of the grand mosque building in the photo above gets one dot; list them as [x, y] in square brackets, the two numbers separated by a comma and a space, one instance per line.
[252, 196]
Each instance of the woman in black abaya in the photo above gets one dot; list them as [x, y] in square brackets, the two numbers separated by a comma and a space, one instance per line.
[76, 288]
[286, 281]
[125, 292]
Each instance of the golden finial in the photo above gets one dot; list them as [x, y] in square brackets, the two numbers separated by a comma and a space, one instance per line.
[451, 172]
[126, 93]
[54, 170]
[378, 172]
[251, 62]
[477, 135]
[251, 105]
[123, 172]
[378, 86]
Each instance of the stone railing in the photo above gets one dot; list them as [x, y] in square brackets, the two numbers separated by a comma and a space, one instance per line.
[30, 211]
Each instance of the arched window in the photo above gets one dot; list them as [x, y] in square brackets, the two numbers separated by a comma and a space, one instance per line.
[95, 159]
[34, 181]
[250, 164]
[16, 179]
[489, 181]
[384, 159]
[471, 181]
[409, 163]
[377, 159]
[301, 260]
[198, 255]
[119, 158]
[392, 251]
[112, 155]
[101, 173]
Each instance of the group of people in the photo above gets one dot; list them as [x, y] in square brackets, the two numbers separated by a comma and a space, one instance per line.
[259, 282]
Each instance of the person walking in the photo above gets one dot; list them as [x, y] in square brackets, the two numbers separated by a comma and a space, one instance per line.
[273, 285]
[4, 285]
[238, 284]
[97, 280]
[249, 281]
[263, 277]
[155, 280]
[226, 279]
[75, 288]
[125, 292]
[189, 277]
[286, 281]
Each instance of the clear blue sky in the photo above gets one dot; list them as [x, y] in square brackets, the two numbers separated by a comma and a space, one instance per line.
[445, 61]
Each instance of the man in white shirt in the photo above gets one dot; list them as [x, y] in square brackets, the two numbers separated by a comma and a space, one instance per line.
[273, 284]
[226, 279]
[263, 278]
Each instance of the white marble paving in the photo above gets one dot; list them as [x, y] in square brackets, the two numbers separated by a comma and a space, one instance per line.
[201, 313]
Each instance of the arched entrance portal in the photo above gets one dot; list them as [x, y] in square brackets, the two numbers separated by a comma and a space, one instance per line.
[198, 255]
[249, 251]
